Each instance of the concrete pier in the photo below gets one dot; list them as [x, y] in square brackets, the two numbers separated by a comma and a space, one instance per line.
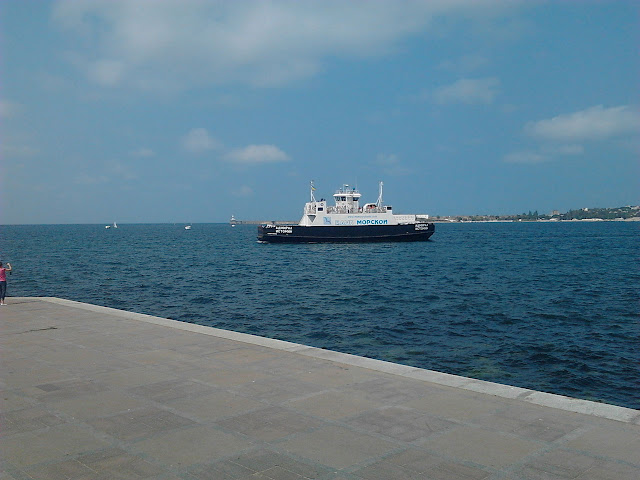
[91, 392]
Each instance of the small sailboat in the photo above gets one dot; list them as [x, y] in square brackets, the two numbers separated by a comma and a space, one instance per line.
[115, 225]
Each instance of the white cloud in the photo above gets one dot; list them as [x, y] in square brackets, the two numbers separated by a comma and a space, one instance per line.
[175, 44]
[595, 123]
[469, 91]
[256, 154]
[198, 140]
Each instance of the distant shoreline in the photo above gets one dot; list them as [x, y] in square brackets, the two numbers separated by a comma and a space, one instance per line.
[575, 220]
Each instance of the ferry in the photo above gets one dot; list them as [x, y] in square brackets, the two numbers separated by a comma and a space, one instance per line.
[347, 221]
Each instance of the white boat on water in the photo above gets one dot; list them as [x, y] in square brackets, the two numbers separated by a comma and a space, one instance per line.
[187, 227]
[115, 225]
[347, 221]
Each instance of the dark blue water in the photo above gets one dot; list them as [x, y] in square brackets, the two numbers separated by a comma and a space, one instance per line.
[547, 306]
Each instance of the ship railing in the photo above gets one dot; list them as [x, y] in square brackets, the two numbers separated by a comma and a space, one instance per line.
[376, 210]
[356, 210]
[343, 210]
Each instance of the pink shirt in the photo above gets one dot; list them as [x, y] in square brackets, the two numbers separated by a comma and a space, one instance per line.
[3, 275]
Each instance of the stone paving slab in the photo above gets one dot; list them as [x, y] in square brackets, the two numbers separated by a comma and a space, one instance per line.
[90, 392]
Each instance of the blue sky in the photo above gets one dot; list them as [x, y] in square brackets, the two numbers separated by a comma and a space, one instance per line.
[191, 111]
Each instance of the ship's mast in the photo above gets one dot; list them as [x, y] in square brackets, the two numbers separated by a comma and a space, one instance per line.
[379, 202]
[312, 188]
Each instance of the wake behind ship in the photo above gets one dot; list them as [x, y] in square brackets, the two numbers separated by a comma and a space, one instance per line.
[347, 221]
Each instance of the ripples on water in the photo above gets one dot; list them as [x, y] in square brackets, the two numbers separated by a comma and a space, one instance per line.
[552, 307]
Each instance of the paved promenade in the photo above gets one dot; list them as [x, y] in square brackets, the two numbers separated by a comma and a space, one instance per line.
[95, 393]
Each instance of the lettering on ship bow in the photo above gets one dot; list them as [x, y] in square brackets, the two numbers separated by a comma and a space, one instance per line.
[372, 222]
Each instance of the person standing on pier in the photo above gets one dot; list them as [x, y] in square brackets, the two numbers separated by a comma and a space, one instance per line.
[3, 281]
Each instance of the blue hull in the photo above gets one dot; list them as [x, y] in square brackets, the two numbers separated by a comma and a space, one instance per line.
[353, 234]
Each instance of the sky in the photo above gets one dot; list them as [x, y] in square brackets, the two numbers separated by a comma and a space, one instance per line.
[154, 111]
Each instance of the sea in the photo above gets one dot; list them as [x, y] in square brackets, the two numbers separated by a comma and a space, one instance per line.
[552, 307]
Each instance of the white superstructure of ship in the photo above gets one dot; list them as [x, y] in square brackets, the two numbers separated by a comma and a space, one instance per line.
[348, 212]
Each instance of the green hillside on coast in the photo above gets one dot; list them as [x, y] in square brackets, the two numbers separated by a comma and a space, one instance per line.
[617, 213]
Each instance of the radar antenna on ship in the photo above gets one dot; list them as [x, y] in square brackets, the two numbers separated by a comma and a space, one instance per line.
[379, 202]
